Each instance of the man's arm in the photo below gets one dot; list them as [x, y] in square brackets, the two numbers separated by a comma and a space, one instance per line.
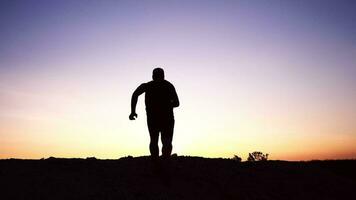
[175, 100]
[141, 89]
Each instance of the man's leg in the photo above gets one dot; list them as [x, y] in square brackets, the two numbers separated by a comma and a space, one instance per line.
[166, 137]
[154, 133]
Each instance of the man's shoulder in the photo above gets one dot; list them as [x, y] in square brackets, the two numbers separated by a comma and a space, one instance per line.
[142, 85]
[147, 83]
[168, 83]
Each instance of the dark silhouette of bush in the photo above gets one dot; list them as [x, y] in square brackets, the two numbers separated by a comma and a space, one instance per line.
[236, 158]
[257, 156]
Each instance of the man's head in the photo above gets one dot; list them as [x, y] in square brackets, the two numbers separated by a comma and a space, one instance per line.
[158, 74]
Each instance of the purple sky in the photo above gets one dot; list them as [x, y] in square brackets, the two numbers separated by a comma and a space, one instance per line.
[251, 75]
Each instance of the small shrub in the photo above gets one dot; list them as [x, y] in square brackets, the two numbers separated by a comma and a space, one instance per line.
[257, 156]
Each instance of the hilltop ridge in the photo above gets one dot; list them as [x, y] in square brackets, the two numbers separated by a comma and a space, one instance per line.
[183, 178]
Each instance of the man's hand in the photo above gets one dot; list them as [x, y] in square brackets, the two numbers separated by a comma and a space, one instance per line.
[133, 116]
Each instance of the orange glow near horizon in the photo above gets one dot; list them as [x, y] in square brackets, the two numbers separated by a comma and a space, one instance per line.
[89, 125]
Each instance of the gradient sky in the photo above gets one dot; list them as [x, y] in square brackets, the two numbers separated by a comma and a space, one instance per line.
[273, 76]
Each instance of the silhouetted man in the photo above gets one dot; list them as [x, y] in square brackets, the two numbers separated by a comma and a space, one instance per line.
[160, 99]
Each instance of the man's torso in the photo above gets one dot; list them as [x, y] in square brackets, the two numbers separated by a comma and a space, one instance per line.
[158, 99]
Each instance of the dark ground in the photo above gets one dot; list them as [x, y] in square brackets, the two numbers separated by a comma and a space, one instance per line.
[188, 178]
